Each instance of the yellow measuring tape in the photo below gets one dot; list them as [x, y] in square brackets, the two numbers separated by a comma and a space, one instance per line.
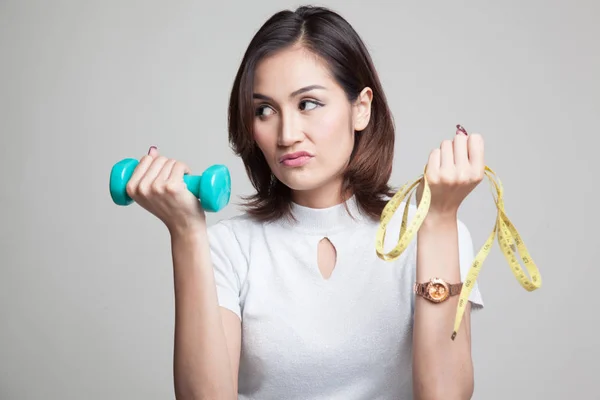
[508, 238]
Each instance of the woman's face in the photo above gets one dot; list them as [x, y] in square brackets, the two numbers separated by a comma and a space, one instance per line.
[304, 123]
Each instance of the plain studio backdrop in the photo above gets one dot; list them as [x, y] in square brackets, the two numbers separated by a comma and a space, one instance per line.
[86, 289]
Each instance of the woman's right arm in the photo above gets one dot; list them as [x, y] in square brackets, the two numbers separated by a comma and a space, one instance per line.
[207, 336]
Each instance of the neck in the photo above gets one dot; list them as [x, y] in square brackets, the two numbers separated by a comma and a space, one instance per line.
[322, 197]
[324, 221]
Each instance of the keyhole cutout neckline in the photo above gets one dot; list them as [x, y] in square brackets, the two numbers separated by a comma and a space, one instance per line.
[326, 257]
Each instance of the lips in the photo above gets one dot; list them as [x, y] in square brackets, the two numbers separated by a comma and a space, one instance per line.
[294, 156]
[297, 159]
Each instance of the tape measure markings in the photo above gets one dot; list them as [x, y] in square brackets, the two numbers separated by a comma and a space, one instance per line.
[508, 237]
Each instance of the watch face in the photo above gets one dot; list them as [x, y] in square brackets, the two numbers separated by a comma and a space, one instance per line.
[438, 290]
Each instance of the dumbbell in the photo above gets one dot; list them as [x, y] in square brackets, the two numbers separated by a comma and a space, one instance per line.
[212, 188]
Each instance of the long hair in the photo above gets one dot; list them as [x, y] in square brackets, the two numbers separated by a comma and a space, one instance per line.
[329, 36]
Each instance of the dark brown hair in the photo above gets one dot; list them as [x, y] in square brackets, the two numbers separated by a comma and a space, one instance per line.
[329, 36]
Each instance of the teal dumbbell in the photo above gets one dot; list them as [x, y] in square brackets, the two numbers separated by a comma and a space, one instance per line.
[212, 188]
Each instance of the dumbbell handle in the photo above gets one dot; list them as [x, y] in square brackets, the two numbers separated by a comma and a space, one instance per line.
[192, 182]
[212, 188]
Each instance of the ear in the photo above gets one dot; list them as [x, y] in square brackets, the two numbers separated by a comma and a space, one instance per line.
[362, 109]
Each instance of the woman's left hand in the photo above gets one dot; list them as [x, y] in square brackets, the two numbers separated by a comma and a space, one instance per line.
[453, 171]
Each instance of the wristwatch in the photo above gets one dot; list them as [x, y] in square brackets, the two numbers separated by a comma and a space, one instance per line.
[437, 290]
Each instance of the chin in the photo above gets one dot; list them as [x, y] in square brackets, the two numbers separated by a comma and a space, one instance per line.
[299, 178]
[307, 177]
[304, 180]
[301, 184]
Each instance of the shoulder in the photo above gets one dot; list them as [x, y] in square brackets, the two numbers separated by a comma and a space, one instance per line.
[229, 243]
[403, 212]
[231, 231]
[236, 234]
[230, 226]
[391, 225]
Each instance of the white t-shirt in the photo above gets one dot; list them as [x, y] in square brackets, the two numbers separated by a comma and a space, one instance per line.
[348, 337]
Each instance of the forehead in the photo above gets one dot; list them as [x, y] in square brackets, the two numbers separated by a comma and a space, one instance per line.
[290, 69]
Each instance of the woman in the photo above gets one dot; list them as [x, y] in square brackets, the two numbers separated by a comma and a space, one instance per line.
[289, 300]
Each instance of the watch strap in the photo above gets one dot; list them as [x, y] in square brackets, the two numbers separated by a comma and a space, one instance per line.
[455, 288]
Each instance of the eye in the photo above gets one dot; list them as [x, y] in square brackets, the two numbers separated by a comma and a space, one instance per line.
[263, 111]
[307, 105]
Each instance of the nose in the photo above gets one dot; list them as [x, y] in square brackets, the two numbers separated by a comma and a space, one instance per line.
[290, 131]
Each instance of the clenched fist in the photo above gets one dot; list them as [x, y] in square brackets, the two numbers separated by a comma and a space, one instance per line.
[453, 171]
[157, 185]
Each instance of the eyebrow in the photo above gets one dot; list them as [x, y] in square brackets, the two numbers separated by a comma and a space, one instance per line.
[293, 94]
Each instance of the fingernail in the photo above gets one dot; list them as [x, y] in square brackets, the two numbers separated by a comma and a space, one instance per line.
[150, 149]
[459, 128]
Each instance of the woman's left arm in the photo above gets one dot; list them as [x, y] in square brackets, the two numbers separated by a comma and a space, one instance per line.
[442, 367]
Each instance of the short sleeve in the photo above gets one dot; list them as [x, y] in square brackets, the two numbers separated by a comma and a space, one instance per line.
[466, 257]
[225, 256]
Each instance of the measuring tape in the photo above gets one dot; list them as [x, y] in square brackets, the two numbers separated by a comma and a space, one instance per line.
[508, 238]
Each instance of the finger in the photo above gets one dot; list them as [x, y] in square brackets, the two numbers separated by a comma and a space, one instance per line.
[138, 174]
[175, 181]
[151, 174]
[433, 166]
[460, 130]
[153, 151]
[461, 153]
[447, 155]
[179, 169]
[165, 172]
[476, 149]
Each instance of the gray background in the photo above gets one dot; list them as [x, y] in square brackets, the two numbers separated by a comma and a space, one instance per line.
[86, 294]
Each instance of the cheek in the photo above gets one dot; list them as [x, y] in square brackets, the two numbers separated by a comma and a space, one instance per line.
[263, 137]
[333, 128]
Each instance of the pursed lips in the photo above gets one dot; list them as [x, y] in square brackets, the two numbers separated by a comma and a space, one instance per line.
[295, 159]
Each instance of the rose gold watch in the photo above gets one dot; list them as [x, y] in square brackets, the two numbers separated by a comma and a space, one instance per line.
[437, 290]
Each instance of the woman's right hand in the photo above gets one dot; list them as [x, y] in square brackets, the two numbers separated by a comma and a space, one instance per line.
[157, 185]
